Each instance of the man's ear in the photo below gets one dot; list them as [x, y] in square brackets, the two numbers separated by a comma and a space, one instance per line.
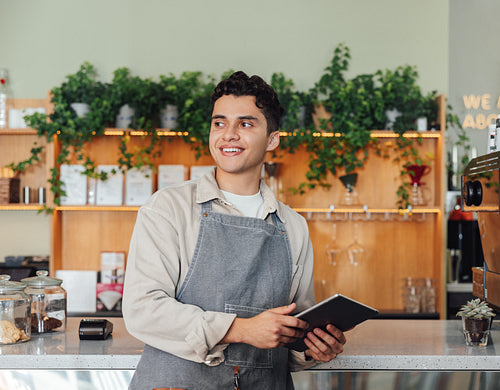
[273, 141]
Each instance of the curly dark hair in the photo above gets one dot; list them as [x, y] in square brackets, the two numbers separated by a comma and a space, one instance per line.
[239, 84]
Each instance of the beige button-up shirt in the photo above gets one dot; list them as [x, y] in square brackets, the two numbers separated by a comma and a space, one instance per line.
[160, 252]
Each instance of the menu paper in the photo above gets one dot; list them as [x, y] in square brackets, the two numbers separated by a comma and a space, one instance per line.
[138, 186]
[80, 287]
[74, 185]
[110, 192]
[171, 174]
[112, 267]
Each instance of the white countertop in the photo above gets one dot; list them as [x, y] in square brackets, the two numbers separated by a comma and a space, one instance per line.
[416, 345]
[65, 350]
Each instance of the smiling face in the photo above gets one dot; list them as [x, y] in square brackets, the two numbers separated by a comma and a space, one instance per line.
[239, 142]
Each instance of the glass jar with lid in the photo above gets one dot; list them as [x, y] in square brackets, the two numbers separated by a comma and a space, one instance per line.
[15, 309]
[48, 303]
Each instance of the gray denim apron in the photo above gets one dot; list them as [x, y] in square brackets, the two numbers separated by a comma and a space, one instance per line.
[240, 265]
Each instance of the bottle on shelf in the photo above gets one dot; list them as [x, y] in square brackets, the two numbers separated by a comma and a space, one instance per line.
[5, 95]
[492, 136]
[497, 130]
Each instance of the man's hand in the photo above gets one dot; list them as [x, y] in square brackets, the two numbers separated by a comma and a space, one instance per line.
[269, 329]
[325, 346]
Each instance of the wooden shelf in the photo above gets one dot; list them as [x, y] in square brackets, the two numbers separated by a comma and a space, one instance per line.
[97, 208]
[18, 132]
[374, 133]
[15, 206]
[398, 243]
[434, 210]
[377, 134]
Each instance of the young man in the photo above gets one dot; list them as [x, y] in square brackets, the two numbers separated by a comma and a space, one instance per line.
[216, 265]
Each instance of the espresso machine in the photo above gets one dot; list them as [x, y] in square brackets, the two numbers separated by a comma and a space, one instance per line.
[480, 194]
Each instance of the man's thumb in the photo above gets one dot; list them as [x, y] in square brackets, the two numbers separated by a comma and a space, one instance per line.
[284, 309]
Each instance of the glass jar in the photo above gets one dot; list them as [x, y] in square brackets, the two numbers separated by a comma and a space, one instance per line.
[15, 309]
[48, 303]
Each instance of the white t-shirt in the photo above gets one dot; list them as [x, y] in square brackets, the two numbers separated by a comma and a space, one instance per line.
[249, 205]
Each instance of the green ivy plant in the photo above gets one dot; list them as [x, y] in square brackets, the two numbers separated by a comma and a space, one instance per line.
[297, 105]
[82, 86]
[355, 106]
[195, 109]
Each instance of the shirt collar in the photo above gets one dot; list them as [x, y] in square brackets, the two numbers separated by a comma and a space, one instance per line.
[209, 190]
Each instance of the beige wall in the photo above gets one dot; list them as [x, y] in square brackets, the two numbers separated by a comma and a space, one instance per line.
[42, 41]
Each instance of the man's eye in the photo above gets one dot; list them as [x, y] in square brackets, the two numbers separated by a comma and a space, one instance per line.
[218, 124]
[246, 124]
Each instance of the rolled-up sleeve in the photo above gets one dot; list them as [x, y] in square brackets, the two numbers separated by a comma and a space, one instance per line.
[150, 310]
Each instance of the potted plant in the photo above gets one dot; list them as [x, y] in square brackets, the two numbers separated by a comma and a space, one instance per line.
[351, 109]
[81, 88]
[403, 99]
[124, 94]
[476, 322]
[297, 105]
[194, 99]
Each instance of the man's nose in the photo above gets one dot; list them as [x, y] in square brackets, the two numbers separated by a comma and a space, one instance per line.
[231, 132]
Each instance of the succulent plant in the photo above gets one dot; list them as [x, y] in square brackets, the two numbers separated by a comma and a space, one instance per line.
[476, 309]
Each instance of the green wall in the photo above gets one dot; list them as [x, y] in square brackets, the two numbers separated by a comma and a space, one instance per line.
[42, 41]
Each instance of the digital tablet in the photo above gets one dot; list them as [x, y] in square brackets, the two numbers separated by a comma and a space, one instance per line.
[342, 312]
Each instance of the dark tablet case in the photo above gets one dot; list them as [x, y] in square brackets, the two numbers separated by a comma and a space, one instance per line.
[342, 312]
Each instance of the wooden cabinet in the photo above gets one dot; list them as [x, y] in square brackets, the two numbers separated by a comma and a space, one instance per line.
[397, 244]
[15, 146]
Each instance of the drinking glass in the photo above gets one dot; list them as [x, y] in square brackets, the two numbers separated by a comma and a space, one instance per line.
[355, 251]
[332, 249]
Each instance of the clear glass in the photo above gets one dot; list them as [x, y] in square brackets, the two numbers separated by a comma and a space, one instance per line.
[355, 251]
[419, 195]
[332, 249]
[476, 331]
[14, 312]
[48, 303]
[350, 196]
[429, 295]
[411, 299]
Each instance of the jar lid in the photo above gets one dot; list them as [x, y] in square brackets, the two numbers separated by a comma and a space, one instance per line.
[7, 285]
[42, 279]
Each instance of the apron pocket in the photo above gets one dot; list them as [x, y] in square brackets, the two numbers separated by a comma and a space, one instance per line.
[244, 355]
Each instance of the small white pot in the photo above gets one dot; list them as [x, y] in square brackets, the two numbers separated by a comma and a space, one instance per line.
[81, 109]
[391, 115]
[422, 123]
[168, 117]
[124, 117]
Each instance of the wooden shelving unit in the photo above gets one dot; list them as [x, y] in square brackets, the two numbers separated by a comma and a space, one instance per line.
[397, 243]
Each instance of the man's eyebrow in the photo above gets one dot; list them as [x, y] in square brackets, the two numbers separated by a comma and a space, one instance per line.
[242, 117]
[248, 117]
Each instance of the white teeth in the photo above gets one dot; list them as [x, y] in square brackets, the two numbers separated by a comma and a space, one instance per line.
[231, 150]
